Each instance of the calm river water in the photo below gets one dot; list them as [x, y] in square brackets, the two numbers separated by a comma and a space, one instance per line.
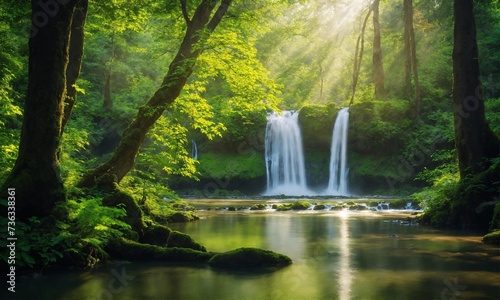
[336, 255]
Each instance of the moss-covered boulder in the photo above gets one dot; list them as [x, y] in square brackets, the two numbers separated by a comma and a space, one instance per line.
[182, 240]
[492, 238]
[301, 205]
[319, 207]
[258, 207]
[134, 251]
[284, 207]
[181, 217]
[249, 258]
[156, 235]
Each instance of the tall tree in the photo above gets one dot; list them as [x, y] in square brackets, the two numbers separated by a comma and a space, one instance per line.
[75, 57]
[410, 50]
[358, 56]
[198, 29]
[35, 175]
[378, 67]
[474, 140]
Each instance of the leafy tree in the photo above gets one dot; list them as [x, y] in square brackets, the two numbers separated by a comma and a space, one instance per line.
[198, 29]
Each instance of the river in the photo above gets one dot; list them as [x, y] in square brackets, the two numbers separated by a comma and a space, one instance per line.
[336, 255]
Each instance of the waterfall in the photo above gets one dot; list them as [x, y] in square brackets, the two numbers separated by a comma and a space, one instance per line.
[194, 149]
[337, 184]
[284, 156]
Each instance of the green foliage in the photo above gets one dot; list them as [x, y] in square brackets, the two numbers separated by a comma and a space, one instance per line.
[226, 166]
[38, 245]
[492, 108]
[90, 227]
[438, 200]
[379, 127]
[316, 124]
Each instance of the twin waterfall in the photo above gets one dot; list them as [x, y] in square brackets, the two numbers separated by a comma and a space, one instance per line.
[337, 185]
[285, 167]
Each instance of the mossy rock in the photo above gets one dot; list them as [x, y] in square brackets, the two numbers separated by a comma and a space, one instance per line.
[320, 207]
[156, 235]
[182, 240]
[249, 258]
[134, 251]
[337, 207]
[258, 207]
[181, 217]
[284, 207]
[492, 238]
[301, 205]
[358, 207]
[134, 213]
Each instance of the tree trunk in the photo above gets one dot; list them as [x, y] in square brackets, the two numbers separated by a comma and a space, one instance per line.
[378, 67]
[35, 175]
[75, 57]
[407, 17]
[108, 102]
[413, 44]
[358, 56]
[199, 28]
[474, 139]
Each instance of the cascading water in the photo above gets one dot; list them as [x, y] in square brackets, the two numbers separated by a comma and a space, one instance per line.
[338, 182]
[194, 149]
[284, 156]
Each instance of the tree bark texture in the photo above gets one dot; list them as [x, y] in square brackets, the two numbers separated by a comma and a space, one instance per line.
[378, 67]
[35, 175]
[75, 57]
[199, 28]
[474, 140]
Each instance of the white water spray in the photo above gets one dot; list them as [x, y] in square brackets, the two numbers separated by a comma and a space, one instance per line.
[284, 156]
[338, 182]
[194, 149]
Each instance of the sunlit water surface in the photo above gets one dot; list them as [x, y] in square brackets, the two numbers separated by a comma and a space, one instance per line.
[336, 255]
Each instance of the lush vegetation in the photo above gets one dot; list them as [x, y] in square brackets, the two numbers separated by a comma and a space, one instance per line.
[193, 121]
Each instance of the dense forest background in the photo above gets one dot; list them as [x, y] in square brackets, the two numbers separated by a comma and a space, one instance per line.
[312, 56]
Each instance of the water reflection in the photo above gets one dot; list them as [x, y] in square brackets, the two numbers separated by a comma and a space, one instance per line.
[345, 260]
[336, 255]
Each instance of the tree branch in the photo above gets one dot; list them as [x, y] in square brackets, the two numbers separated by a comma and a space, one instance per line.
[185, 12]
[221, 11]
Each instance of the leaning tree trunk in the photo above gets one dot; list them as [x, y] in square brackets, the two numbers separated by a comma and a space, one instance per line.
[199, 28]
[474, 139]
[378, 67]
[35, 176]
[75, 57]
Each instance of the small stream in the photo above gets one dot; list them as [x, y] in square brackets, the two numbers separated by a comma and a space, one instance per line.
[336, 255]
